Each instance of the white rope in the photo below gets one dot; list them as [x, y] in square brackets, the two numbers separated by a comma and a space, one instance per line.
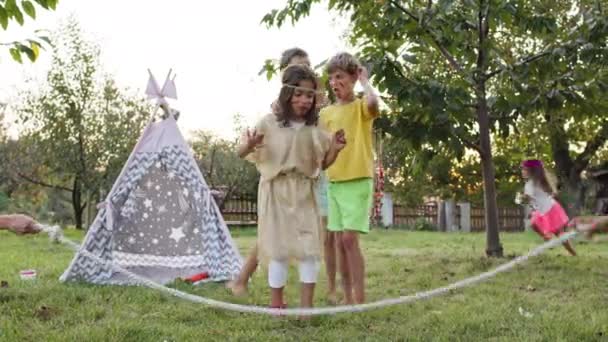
[326, 310]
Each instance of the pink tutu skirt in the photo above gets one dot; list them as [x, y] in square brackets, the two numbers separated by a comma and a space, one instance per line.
[552, 222]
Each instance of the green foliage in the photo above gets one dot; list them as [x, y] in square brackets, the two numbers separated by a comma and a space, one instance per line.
[80, 127]
[441, 64]
[270, 68]
[14, 10]
[422, 224]
[221, 165]
[4, 201]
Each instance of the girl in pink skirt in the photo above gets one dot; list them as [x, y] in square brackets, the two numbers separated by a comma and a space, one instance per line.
[548, 217]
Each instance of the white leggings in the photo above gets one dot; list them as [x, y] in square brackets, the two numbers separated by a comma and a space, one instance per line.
[277, 272]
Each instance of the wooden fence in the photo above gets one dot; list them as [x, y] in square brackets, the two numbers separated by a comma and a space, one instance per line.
[509, 219]
[407, 216]
[242, 210]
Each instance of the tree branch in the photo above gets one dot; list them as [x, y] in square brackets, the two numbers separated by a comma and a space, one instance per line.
[582, 161]
[451, 60]
[398, 70]
[559, 141]
[211, 166]
[503, 116]
[404, 10]
[525, 61]
[465, 141]
[37, 182]
[468, 143]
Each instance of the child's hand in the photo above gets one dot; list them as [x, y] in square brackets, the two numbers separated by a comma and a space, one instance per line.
[363, 75]
[339, 140]
[254, 139]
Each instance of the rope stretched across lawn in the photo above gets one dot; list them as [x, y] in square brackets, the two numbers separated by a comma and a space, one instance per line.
[325, 310]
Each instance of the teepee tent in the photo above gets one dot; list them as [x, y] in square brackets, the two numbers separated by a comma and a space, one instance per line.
[159, 220]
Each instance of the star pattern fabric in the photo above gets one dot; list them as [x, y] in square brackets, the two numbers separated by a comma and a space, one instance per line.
[161, 208]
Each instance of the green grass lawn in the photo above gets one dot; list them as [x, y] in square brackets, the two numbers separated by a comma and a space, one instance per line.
[567, 297]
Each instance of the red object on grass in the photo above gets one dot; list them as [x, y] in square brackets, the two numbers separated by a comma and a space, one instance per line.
[197, 277]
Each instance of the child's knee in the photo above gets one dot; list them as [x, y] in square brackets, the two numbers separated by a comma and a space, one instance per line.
[349, 240]
[277, 274]
[309, 270]
[330, 239]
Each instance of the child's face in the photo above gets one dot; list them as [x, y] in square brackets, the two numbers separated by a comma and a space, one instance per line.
[342, 84]
[525, 173]
[303, 98]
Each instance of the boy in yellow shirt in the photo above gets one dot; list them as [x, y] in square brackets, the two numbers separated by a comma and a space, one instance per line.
[350, 192]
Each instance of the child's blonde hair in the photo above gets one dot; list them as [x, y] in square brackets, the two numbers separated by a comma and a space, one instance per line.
[344, 61]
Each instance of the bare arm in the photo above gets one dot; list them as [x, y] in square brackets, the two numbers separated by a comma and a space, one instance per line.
[244, 150]
[19, 224]
[337, 144]
[330, 157]
[370, 95]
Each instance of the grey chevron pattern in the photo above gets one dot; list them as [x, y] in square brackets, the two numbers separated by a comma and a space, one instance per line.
[216, 255]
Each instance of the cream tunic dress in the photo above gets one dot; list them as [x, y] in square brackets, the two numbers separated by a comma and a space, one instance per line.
[289, 161]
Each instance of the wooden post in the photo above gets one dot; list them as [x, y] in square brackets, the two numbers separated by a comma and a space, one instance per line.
[450, 216]
[465, 217]
[387, 210]
[441, 217]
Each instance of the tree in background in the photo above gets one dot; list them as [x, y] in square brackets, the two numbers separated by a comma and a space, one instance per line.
[221, 166]
[80, 128]
[450, 69]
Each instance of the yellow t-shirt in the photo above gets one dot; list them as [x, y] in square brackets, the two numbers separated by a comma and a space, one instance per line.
[356, 160]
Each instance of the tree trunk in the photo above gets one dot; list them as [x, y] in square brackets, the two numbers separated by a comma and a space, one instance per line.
[76, 200]
[572, 195]
[89, 208]
[493, 246]
[572, 191]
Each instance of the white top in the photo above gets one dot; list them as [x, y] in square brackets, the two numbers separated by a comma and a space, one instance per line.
[297, 124]
[539, 199]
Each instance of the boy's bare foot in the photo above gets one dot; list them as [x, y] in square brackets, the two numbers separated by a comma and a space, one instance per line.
[238, 290]
[332, 299]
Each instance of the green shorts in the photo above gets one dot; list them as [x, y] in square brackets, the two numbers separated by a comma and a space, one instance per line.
[350, 203]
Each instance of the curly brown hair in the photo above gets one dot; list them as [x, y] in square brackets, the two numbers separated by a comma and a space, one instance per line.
[344, 61]
[293, 75]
